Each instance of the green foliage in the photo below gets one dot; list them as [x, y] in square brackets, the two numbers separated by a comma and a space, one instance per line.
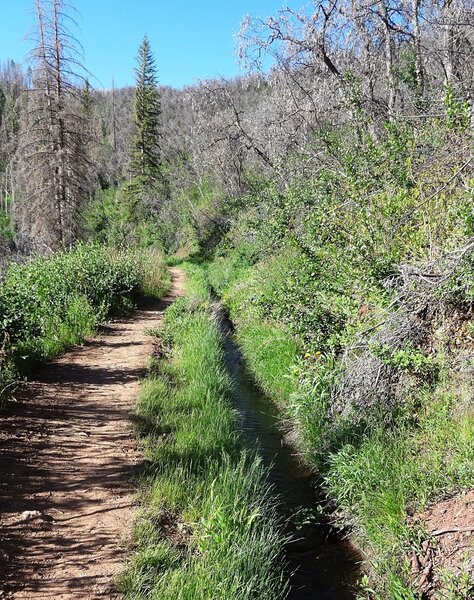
[407, 359]
[118, 217]
[7, 231]
[270, 352]
[458, 586]
[146, 163]
[197, 219]
[104, 218]
[309, 407]
[308, 272]
[410, 73]
[208, 529]
[50, 303]
[459, 285]
[458, 111]
[391, 475]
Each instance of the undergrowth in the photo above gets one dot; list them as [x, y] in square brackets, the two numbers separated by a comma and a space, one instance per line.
[350, 299]
[384, 468]
[208, 528]
[51, 303]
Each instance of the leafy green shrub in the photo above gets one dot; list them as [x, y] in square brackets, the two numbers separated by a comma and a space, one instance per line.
[118, 217]
[333, 284]
[50, 303]
[407, 359]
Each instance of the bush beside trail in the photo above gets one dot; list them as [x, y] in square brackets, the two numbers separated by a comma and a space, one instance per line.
[52, 302]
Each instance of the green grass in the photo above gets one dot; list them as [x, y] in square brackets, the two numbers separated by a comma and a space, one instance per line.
[393, 475]
[326, 282]
[272, 355]
[378, 475]
[208, 528]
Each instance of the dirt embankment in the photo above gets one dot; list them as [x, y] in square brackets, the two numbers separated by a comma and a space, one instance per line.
[67, 454]
[449, 549]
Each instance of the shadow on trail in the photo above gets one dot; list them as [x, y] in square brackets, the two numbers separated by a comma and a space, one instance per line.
[59, 441]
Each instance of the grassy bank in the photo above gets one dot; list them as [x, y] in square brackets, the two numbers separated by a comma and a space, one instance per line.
[208, 528]
[384, 464]
[351, 292]
[50, 303]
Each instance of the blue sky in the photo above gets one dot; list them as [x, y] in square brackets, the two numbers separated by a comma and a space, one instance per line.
[190, 39]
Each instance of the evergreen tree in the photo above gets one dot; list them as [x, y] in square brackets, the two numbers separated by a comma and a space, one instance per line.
[146, 162]
[3, 101]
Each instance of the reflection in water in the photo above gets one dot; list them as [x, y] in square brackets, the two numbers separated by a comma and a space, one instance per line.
[322, 565]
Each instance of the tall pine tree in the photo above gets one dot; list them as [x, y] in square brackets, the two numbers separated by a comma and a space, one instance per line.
[146, 162]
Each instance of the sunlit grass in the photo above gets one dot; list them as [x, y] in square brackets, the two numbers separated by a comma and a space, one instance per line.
[392, 475]
[271, 353]
[378, 476]
[208, 527]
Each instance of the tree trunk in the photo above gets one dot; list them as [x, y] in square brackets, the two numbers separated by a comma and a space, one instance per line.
[419, 71]
[388, 47]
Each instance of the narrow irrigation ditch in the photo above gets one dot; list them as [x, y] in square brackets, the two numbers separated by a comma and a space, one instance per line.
[322, 564]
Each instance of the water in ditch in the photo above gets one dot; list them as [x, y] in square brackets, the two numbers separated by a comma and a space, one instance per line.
[322, 565]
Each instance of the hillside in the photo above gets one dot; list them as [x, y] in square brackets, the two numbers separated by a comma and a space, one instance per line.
[320, 207]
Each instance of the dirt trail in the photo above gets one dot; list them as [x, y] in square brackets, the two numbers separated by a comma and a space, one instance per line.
[67, 452]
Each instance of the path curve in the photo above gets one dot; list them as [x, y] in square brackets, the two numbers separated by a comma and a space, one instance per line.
[67, 453]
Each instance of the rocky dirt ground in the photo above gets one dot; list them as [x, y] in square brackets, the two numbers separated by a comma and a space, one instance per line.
[449, 551]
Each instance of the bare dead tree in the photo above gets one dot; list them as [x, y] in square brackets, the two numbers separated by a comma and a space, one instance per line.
[53, 158]
[389, 58]
[417, 43]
